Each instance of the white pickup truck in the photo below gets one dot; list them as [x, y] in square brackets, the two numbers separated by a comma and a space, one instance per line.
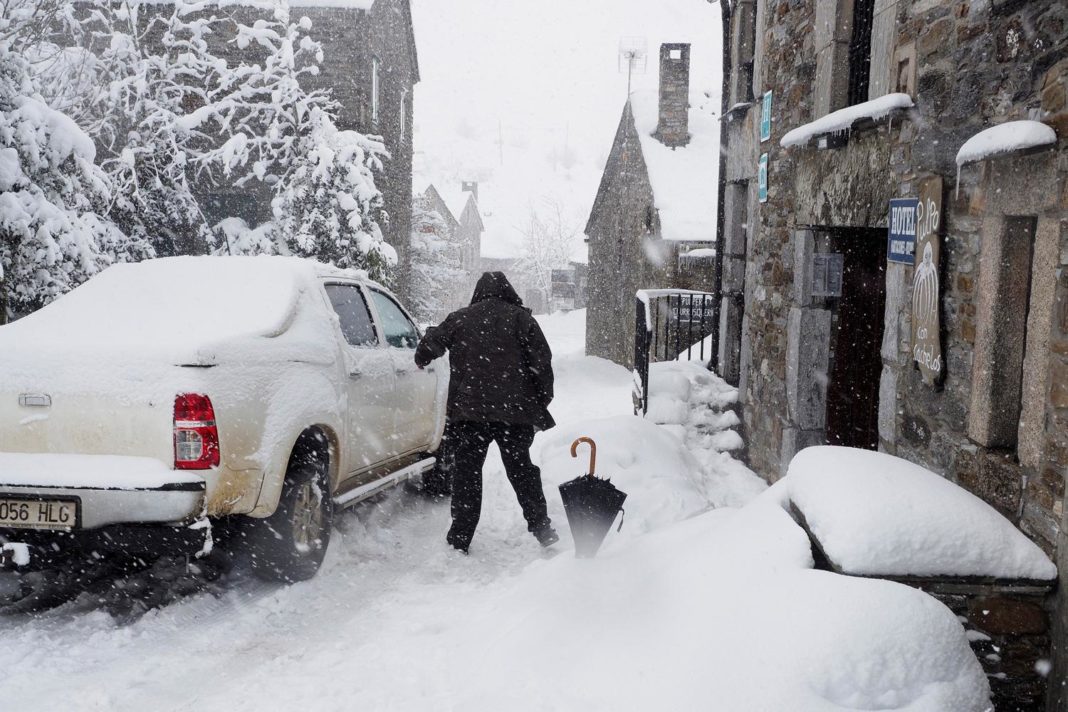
[161, 397]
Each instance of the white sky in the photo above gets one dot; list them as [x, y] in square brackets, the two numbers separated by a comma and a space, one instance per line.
[537, 84]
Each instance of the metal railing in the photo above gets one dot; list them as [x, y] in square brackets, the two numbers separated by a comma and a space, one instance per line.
[669, 323]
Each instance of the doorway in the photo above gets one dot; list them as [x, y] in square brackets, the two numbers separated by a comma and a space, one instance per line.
[856, 339]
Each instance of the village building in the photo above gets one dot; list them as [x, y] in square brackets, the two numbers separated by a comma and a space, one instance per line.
[656, 200]
[895, 251]
[459, 209]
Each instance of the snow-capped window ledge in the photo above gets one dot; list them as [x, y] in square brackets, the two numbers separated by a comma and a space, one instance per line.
[1004, 139]
[737, 111]
[851, 118]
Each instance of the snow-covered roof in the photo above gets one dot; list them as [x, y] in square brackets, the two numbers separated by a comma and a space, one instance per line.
[843, 119]
[1008, 137]
[455, 200]
[684, 178]
[875, 514]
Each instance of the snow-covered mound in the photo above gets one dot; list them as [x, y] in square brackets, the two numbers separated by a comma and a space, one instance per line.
[693, 403]
[877, 514]
[717, 612]
[656, 471]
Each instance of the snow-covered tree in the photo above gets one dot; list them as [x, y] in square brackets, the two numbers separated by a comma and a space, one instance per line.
[548, 241]
[436, 270]
[271, 130]
[135, 117]
[327, 206]
[54, 199]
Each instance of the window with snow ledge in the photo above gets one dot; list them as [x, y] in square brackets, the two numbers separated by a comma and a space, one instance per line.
[831, 130]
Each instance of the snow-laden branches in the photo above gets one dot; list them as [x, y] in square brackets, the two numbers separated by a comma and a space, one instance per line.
[125, 116]
[52, 198]
[327, 203]
[549, 239]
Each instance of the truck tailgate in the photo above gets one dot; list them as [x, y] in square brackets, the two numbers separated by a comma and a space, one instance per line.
[101, 489]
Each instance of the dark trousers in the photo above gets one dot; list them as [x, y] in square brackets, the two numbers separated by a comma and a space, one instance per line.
[468, 449]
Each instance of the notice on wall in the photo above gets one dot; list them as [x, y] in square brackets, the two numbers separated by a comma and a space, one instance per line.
[926, 290]
[762, 178]
[901, 237]
[765, 117]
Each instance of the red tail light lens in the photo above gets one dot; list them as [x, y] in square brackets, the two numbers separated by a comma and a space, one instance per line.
[196, 438]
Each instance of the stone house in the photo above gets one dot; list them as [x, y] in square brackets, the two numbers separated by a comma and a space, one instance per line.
[370, 66]
[656, 194]
[834, 331]
[461, 213]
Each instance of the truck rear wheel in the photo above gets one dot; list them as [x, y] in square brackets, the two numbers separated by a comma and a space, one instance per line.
[290, 544]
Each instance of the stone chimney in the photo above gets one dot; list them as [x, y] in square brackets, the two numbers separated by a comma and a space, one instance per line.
[673, 126]
[470, 186]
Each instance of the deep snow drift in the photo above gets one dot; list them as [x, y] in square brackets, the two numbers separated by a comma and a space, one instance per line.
[687, 608]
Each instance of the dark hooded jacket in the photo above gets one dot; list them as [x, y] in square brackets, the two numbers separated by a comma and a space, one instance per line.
[501, 364]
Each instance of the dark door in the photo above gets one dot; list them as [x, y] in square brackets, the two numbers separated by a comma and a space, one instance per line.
[856, 339]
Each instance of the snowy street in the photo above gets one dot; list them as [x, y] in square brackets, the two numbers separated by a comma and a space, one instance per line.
[557, 356]
[677, 612]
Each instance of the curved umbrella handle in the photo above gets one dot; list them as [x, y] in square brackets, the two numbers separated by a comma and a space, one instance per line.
[593, 452]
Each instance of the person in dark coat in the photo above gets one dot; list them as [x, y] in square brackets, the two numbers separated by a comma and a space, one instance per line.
[501, 384]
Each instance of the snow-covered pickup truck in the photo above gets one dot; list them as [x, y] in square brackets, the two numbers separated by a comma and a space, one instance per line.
[159, 398]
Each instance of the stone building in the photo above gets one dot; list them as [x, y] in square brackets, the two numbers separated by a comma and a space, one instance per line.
[834, 331]
[656, 193]
[460, 211]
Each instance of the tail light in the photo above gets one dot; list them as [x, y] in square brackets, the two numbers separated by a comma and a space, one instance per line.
[196, 438]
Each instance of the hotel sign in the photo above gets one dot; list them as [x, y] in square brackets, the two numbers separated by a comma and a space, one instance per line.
[901, 239]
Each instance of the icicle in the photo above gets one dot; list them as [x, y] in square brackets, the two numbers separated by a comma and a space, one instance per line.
[957, 196]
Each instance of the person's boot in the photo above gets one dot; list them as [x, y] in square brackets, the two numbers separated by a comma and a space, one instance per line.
[546, 535]
[457, 543]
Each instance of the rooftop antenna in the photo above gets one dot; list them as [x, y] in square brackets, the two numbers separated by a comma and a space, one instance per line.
[633, 57]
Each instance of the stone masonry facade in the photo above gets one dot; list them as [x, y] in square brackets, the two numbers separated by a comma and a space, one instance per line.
[997, 421]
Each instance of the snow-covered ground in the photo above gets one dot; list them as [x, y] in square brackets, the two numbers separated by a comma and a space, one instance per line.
[686, 608]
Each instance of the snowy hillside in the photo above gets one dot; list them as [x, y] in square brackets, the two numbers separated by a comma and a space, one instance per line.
[533, 122]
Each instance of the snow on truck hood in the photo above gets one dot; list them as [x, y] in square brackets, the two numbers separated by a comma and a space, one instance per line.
[181, 310]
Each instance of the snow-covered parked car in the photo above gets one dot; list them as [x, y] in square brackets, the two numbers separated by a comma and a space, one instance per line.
[161, 397]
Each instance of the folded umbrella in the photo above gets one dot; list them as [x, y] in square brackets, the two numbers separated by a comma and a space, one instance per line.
[591, 505]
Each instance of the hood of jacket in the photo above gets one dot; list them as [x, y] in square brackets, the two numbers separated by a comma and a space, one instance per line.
[494, 285]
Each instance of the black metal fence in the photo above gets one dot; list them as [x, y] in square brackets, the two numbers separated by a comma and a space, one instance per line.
[668, 325]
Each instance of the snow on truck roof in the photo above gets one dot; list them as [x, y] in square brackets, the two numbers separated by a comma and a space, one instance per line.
[171, 305]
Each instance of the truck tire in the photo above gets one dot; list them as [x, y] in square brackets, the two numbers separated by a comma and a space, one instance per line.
[290, 544]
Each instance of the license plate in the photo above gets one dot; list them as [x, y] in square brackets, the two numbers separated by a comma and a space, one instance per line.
[38, 513]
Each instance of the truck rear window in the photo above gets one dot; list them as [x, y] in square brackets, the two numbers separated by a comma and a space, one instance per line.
[351, 309]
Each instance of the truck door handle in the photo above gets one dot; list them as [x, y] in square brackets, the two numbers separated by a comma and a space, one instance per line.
[355, 374]
[401, 371]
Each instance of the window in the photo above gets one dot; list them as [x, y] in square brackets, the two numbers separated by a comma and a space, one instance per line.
[351, 310]
[376, 85]
[860, 51]
[399, 330]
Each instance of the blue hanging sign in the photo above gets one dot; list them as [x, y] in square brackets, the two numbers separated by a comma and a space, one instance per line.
[765, 117]
[901, 237]
[762, 178]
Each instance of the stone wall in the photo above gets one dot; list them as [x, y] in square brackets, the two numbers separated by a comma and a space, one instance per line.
[968, 66]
